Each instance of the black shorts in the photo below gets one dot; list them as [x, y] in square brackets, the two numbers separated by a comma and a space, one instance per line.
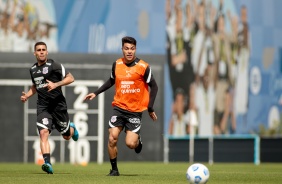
[128, 120]
[56, 120]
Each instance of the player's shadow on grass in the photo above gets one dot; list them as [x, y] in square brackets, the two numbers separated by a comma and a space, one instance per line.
[53, 174]
[134, 174]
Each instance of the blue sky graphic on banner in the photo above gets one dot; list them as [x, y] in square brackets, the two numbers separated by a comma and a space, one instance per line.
[264, 73]
[98, 26]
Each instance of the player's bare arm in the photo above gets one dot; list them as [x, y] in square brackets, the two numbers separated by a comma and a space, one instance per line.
[90, 96]
[26, 96]
[67, 80]
[153, 116]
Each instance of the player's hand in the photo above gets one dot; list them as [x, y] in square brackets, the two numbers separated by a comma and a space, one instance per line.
[24, 97]
[153, 116]
[50, 85]
[90, 96]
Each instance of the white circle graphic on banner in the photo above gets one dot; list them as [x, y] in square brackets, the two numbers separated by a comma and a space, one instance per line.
[255, 80]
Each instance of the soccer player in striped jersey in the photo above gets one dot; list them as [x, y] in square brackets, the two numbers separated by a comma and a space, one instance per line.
[47, 77]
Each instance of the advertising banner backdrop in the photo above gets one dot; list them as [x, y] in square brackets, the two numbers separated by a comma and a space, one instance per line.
[24, 22]
[224, 67]
[244, 67]
[98, 26]
[82, 26]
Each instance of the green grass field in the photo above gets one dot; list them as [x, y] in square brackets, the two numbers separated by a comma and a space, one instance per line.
[139, 172]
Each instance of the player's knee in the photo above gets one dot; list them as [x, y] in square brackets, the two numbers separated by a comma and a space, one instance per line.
[112, 141]
[131, 144]
[68, 134]
[66, 137]
[44, 133]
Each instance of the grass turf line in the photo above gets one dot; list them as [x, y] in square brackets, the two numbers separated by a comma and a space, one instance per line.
[139, 172]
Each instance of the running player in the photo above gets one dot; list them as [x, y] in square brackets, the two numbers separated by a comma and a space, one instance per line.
[131, 77]
[47, 78]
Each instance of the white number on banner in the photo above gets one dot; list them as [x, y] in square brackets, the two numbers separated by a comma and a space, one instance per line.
[80, 150]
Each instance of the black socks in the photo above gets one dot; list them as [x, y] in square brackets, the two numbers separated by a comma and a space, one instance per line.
[114, 164]
[46, 158]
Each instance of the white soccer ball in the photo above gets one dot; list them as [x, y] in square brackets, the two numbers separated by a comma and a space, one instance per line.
[197, 174]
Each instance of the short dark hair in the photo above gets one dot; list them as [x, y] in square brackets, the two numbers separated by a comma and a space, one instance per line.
[128, 39]
[39, 43]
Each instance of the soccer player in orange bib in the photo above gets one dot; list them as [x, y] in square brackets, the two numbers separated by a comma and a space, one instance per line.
[132, 78]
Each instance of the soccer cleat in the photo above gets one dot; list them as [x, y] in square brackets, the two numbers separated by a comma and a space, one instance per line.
[113, 173]
[47, 167]
[75, 133]
[138, 149]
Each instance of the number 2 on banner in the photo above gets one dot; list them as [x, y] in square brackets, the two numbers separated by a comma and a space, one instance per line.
[79, 104]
